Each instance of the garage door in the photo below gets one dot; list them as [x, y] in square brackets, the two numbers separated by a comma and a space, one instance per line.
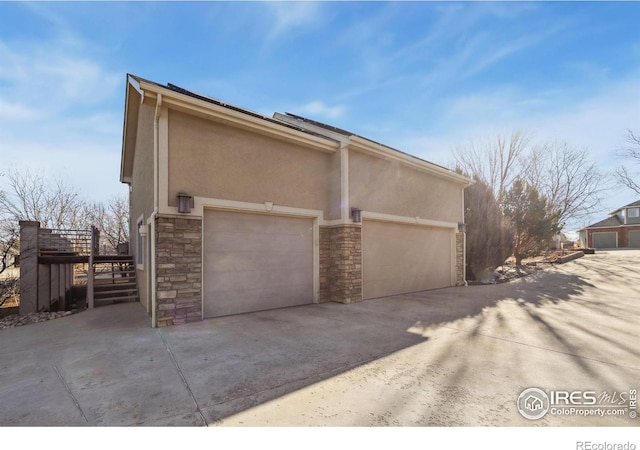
[605, 240]
[634, 239]
[254, 262]
[399, 258]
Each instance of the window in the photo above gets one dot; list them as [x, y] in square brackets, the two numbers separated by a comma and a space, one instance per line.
[633, 212]
[140, 243]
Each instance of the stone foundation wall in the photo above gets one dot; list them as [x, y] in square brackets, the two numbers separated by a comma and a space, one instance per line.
[324, 294]
[460, 259]
[178, 270]
[341, 264]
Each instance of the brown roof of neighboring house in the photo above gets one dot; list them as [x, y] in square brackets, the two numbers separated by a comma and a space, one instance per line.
[612, 221]
[636, 203]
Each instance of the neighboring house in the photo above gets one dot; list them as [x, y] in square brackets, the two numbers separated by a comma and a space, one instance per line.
[233, 212]
[620, 230]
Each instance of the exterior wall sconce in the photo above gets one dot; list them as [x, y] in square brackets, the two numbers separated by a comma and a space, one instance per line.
[184, 203]
[142, 230]
[356, 215]
[462, 227]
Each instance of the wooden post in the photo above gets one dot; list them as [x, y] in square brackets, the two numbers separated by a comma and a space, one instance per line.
[29, 268]
[90, 271]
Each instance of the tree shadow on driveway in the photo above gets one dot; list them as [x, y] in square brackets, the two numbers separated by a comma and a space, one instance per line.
[237, 362]
[107, 367]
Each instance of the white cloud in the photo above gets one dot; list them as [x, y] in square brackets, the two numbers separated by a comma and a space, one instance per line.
[50, 76]
[55, 110]
[290, 16]
[319, 108]
[16, 111]
[597, 121]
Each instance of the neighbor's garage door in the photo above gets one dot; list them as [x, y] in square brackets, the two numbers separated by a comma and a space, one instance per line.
[399, 258]
[634, 239]
[254, 262]
[605, 240]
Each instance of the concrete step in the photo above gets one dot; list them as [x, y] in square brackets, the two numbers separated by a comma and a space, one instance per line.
[113, 300]
[99, 287]
[115, 280]
[102, 259]
[110, 292]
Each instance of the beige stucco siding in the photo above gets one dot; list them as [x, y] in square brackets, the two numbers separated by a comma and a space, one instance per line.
[213, 160]
[389, 187]
[142, 183]
[141, 197]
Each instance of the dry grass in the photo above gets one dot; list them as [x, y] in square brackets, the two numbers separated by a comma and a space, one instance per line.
[12, 302]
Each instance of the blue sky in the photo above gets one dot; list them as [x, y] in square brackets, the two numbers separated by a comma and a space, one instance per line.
[422, 77]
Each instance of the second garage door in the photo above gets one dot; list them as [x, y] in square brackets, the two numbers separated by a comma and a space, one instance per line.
[605, 240]
[634, 239]
[400, 258]
[254, 262]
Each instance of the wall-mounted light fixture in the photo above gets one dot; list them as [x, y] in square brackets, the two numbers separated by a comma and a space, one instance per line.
[184, 203]
[142, 230]
[462, 227]
[356, 215]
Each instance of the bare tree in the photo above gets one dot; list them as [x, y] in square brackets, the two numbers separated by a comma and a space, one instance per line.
[631, 153]
[28, 195]
[566, 176]
[496, 161]
[112, 219]
[8, 250]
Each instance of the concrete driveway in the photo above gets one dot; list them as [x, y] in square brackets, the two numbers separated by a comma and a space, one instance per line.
[458, 356]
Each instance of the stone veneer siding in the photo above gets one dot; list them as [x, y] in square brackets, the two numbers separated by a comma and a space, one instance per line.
[178, 270]
[324, 295]
[341, 264]
[460, 262]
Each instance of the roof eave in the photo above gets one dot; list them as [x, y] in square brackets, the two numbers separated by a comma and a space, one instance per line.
[129, 128]
[238, 118]
[366, 145]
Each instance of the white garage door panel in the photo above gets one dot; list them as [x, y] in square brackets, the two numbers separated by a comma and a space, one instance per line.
[400, 258]
[254, 262]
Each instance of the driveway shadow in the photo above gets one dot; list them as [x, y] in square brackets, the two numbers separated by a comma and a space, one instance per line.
[237, 362]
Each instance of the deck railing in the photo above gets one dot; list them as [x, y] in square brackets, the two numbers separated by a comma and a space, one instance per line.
[65, 242]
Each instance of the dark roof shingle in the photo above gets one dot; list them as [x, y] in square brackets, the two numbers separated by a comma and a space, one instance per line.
[612, 221]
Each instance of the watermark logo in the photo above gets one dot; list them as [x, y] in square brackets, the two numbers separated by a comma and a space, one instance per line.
[533, 403]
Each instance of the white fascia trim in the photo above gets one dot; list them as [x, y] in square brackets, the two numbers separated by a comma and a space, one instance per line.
[200, 203]
[139, 222]
[242, 120]
[358, 143]
[163, 159]
[345, 212]
[311, 127]
[408, 220]
[339, 222]
[134, 83]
